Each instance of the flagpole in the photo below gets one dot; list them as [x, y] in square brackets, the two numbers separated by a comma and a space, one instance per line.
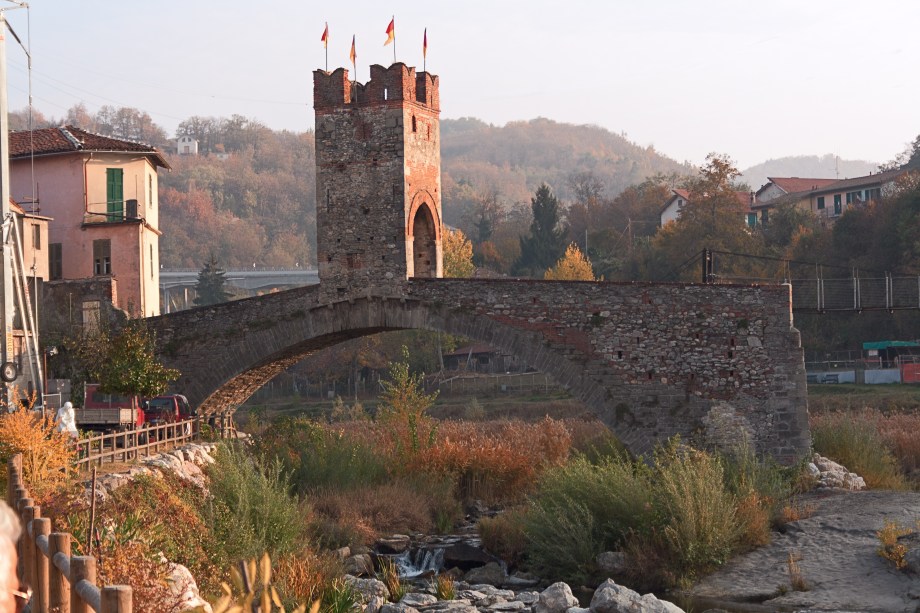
[394, 39]
[326, 46]
[425, 51]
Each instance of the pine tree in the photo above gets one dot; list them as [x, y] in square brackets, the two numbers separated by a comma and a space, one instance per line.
[210, 287]
[547, 240]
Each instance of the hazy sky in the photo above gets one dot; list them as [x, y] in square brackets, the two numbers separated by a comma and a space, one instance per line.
[753, 80]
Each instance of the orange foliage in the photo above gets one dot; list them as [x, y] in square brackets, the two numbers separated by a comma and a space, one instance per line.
[498, 460]
[46, 453]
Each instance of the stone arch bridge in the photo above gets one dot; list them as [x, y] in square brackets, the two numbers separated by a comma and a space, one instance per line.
[651, 360]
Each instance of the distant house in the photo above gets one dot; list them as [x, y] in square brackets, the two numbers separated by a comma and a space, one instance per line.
[826, 199]
[480, 357]
[680, 197]
[186, 145]
[101, 193]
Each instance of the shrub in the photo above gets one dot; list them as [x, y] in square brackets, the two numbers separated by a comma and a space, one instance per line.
[251, 510]
[891, 549]
[594, 440]
[701, 529]
[319, 457]
[581, 510]
[341, 597]
[504, 536]
[796, 578]
[362, 514]
[46, 453]
[444, 587]
[306, 576]
[853, 440]
[134, 563]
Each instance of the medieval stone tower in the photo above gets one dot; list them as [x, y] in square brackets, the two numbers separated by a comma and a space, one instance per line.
[378, 179]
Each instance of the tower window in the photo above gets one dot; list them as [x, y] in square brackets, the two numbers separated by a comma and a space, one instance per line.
[386, 93]
[102, 257]
[414, 126]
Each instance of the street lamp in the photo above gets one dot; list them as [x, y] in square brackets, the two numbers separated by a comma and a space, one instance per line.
[52, 351]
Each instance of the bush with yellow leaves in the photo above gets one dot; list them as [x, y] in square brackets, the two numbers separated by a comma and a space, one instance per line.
[46, 452]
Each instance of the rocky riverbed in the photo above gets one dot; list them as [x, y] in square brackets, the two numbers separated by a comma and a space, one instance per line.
[837, 551]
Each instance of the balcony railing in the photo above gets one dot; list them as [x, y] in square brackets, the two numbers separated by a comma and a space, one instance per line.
[114, 213]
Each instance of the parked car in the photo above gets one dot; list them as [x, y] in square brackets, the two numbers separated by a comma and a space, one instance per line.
[167, 409]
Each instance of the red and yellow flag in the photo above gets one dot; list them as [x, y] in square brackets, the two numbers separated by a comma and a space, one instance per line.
[325, 37]
[352, 55]
[391, 32]
[425, 44]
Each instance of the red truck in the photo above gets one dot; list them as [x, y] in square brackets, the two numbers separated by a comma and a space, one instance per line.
[108, 412]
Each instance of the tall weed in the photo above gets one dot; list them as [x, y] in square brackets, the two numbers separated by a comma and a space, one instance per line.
[853, 440]
[251, 510]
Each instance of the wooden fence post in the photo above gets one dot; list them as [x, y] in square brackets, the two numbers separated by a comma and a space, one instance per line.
[29, 550]
[117, 599]
[81, 568]
[14, 480]
[41, 526]
[59, 586]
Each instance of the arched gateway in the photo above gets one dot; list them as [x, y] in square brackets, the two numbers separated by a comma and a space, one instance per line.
[720, 362]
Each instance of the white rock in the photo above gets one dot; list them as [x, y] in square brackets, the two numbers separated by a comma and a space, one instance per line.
[557, 598]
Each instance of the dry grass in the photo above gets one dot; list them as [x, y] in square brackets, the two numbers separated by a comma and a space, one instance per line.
[794, 510]
[504, 535]
[796, 578]
[498, 461]
[305, 576]
[854, 440]
[134, 564]
[366, 512]
[753, 513]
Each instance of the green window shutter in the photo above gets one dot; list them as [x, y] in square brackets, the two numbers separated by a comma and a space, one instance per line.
[114, 193]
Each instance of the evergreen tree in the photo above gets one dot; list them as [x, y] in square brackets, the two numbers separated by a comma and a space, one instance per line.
[210, 287]
[547, 240]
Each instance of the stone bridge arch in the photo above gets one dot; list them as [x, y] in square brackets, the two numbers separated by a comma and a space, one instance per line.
[651, 361]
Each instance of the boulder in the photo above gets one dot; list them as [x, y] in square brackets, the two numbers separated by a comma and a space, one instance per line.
[490, 574]
[450, 606]
[359, 565]
[397, 608]
[612, 598]
[466, 557]
[374, 604]
[368, 588]
[611, 563]
[529, 598]
[398, 543]
[415, 599]
[557, 598]
[184, 590]
[912, 561]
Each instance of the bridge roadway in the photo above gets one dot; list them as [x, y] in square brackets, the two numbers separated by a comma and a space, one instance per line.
[721, 363]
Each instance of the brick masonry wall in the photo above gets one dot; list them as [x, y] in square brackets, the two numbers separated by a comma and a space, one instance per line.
[716, 364]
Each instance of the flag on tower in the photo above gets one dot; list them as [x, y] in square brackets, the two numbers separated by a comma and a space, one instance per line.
[325, 37]
[425, 45]
[391, 32]
[352, 56]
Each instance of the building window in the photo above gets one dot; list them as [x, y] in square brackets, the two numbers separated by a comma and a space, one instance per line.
[838, 205]
[150, 191]
[151, 261]
[752, 219]
[102, 257]
[36, 236]
[91, 311]
[55, 262]
[414, 125]
[854, 197]
[114, 193]
[874, 194]
[820, 203]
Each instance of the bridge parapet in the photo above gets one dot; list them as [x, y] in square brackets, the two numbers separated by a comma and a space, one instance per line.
[719, 364]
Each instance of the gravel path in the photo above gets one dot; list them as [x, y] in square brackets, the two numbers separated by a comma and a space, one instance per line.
[839, 562]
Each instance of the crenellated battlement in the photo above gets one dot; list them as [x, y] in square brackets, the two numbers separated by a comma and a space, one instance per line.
[398, 83]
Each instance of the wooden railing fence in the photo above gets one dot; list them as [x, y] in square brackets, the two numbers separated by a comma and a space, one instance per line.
[131, 445]
[60, 582]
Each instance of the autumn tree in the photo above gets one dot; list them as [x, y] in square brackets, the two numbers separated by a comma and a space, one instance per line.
[546, 242]
[573, 266]
[403, 408]
[210, 286]
[458, 254]
[712, 218]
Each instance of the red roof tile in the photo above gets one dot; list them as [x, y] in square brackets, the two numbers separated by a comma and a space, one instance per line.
[797, 184]
[68, 139]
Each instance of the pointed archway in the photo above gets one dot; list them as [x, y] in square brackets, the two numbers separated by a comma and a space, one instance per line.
[424, 243]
